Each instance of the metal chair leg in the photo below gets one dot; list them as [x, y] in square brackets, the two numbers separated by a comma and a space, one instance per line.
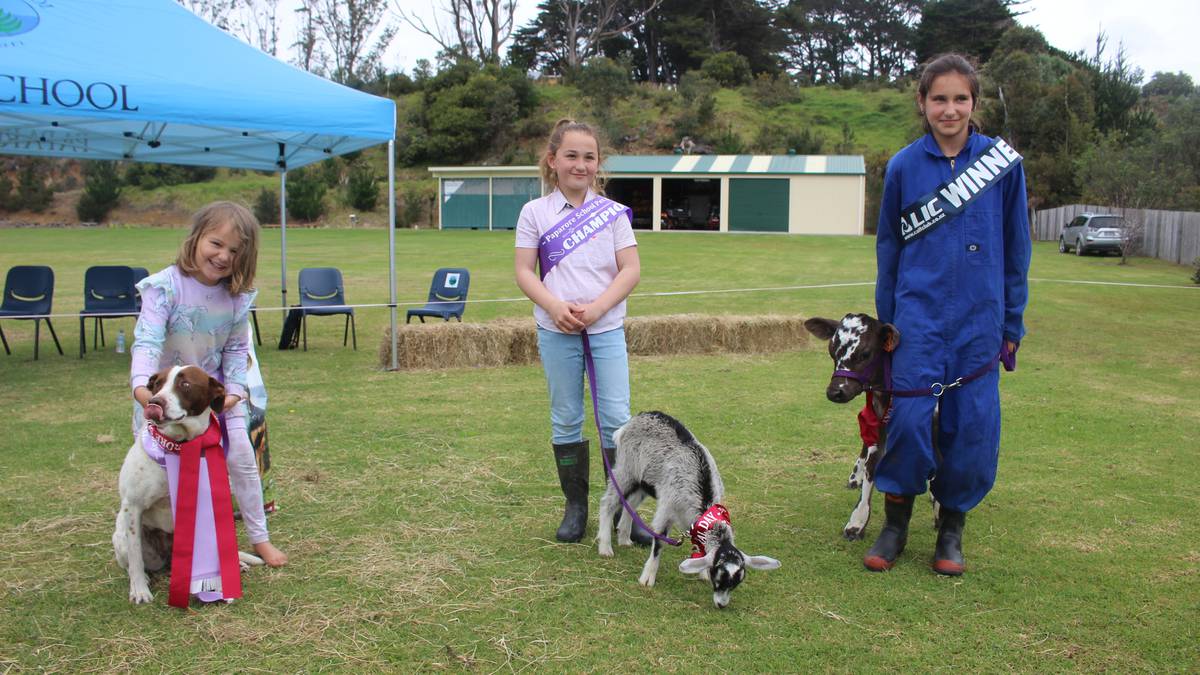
[5, 341]
[37, 337]
[101, 322]
[304, 329]
[346, 331]
[353, 333]
[55, 336]
[82, 336]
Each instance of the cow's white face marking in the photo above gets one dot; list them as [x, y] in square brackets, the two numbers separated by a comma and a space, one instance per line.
[847, 339]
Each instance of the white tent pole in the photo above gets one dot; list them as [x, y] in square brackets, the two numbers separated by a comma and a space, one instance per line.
[392, 240]
[283, 239]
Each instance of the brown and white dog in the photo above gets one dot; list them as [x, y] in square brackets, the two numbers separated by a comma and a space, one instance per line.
[856, 343]
[182, 398]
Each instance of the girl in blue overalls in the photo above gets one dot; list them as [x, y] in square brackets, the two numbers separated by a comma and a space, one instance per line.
[956, 295]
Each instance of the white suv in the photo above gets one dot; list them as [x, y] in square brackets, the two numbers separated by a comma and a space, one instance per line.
[1093, 233]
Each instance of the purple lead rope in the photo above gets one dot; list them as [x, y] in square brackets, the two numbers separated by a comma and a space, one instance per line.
[590, 366]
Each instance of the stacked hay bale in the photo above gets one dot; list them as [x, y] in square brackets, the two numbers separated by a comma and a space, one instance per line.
[514, 341]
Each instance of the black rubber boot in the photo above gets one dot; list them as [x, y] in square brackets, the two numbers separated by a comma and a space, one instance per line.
[636, 533]
[572, 462]
[948, 557]
[894, 535]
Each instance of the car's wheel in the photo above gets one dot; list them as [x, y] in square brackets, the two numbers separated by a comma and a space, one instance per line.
[1062, 245]
[1079, 247]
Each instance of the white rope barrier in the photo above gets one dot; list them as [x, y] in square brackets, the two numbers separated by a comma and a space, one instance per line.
[656, 294]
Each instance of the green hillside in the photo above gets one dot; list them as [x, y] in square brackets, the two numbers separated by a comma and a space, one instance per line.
[873, 121]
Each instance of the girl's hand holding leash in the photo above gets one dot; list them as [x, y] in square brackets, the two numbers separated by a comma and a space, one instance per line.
[588, 314]
[565, 316]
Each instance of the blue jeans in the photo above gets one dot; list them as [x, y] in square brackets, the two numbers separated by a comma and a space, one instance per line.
[562, 359]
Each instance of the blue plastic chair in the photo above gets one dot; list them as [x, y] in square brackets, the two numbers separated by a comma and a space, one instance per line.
[108, 293]
[321, 293]
[28, 292]
[447, 295]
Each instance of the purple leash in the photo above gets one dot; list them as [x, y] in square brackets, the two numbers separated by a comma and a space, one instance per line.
[590, 366]
[936, 389]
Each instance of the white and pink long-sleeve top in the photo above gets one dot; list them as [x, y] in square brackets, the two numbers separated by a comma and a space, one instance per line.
[184, 322]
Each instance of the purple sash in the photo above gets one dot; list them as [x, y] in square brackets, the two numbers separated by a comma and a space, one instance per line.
[559, 242]
[576, 230]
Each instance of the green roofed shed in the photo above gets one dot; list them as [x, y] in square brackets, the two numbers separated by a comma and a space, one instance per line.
[799, 194]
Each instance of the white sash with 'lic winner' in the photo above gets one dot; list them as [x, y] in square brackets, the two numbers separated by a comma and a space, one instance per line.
[953, 197]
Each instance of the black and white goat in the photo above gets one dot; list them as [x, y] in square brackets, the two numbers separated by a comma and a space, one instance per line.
[658, 457]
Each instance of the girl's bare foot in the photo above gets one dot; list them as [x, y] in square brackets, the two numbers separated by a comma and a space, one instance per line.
[270, 555]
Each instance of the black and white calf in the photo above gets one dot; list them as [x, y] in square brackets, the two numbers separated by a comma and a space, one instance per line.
[658, 457]
[859, 344]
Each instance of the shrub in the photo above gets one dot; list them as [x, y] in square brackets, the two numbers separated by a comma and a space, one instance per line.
[729, 69]
[699, 104]
[1196, 274]
[149, 176]
[603, 81]
[8, 200]
[772, 90]
[728, 142]
[415, 194]
[306, 194]
[266, 206]
[362, 188]
[330, 172]
[101, 191]
[32, 190]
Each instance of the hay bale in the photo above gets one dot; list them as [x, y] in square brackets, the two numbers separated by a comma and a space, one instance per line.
[514, 341]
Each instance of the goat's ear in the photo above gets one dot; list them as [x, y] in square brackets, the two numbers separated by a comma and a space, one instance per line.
[694, 565]
[891, 337]
[761, 562]
[216, 391]
[822, 328]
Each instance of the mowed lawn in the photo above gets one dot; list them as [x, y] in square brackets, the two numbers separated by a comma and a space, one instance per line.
[419, 508]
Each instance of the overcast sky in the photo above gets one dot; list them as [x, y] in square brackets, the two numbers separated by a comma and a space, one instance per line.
[1155, 33]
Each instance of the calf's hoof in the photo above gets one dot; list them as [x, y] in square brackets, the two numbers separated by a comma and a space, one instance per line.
[852, 533]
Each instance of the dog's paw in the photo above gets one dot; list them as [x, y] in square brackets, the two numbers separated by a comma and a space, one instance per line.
[853, 532]
[140, 595]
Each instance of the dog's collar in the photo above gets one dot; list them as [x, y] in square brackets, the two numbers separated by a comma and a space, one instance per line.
[211, 437]
[715, 514]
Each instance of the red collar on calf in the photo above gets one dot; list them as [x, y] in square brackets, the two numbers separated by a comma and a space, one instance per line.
[715, 514]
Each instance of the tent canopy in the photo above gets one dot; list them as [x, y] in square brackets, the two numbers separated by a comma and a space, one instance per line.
[147, 80]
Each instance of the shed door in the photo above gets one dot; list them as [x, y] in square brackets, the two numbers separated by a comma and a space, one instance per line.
[464, 203]
[758, 204]
[508, 196]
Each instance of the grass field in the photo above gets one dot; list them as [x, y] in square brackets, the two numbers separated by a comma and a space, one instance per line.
[418, 508]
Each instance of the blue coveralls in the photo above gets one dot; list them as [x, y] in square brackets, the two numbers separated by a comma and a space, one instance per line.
[954, 294]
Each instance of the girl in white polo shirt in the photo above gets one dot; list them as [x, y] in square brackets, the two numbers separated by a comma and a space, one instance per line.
[585, 278]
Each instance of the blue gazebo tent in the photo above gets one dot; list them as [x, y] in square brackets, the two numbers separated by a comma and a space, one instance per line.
[148, 81]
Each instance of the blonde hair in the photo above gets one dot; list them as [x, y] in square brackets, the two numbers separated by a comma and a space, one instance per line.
[561, 128]
[245, 262]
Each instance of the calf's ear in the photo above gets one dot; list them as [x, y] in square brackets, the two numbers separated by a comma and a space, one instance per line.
[216, 392]
[822, 328]
[761, 562]
[891, 337]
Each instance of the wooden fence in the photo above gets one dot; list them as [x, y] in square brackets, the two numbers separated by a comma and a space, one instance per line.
[1173, 236]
